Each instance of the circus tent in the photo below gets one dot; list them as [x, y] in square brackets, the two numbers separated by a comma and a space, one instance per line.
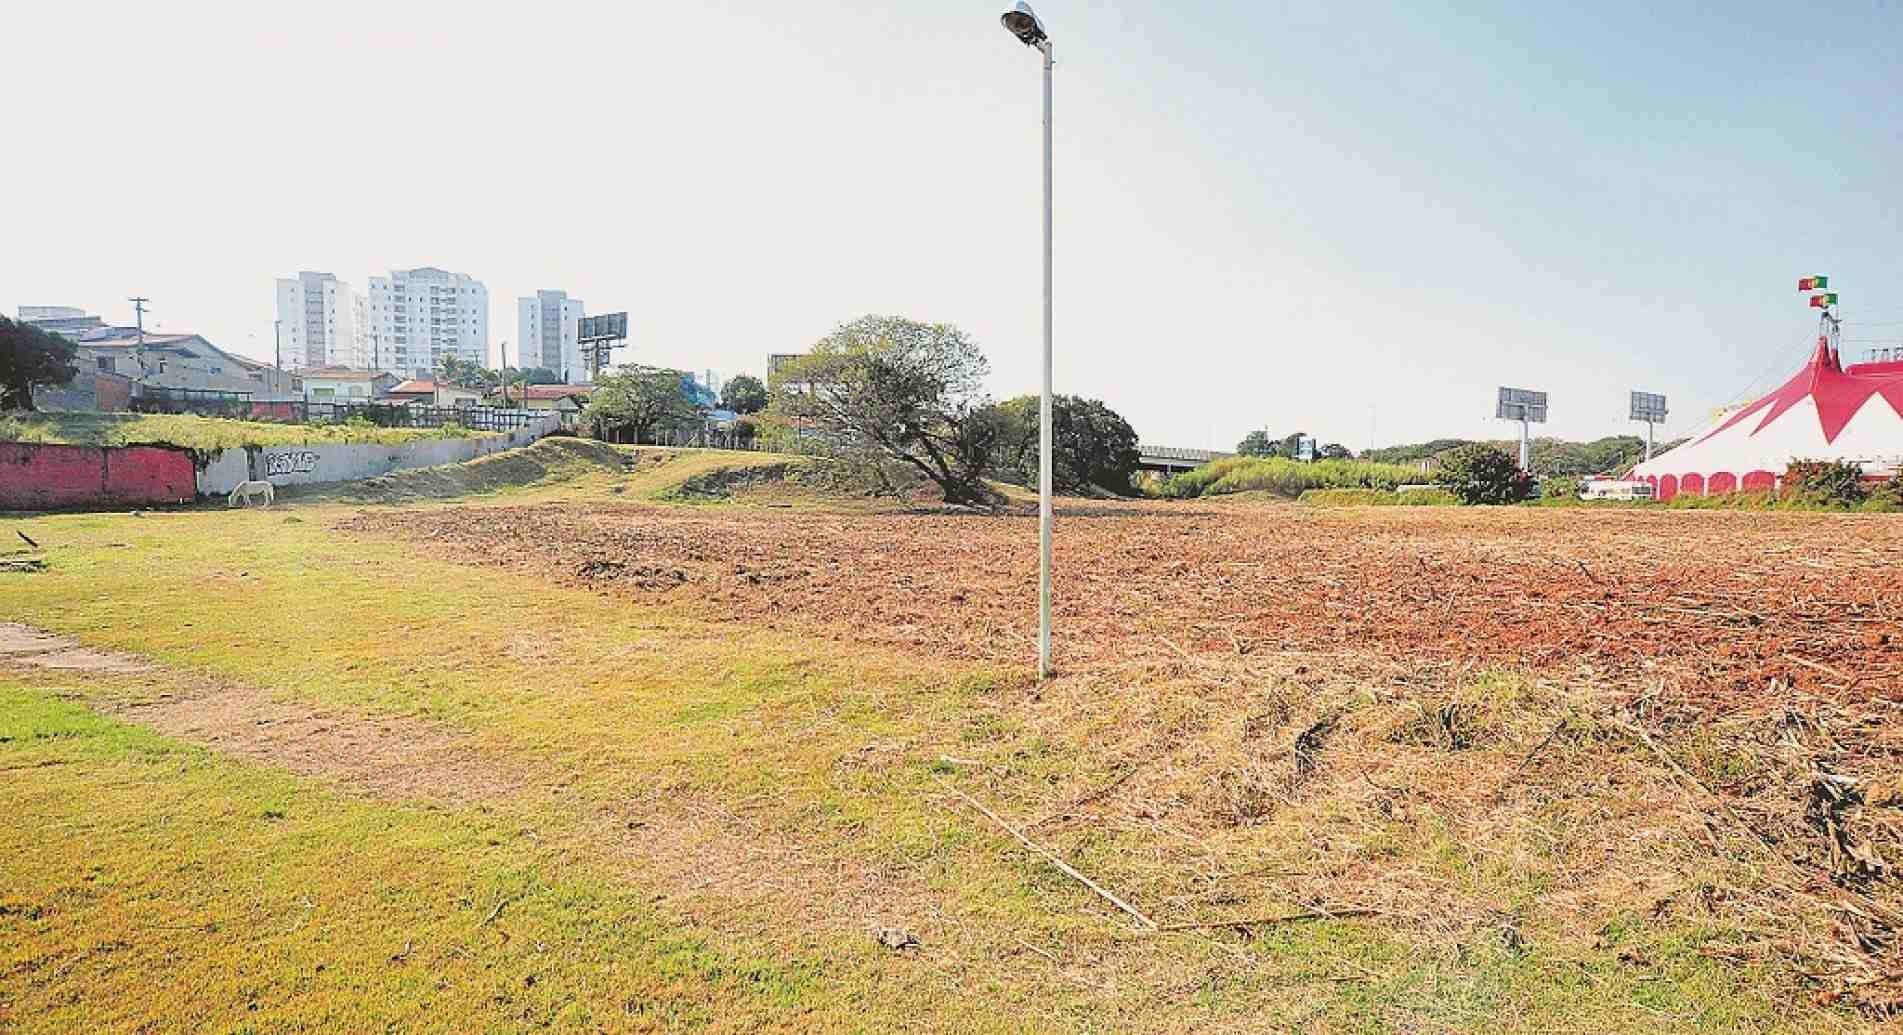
[1825, 412]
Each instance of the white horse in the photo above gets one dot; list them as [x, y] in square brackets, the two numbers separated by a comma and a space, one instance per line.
[248, 491]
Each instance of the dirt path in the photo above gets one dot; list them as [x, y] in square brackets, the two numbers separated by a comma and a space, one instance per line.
[388, 757]
[718, 862]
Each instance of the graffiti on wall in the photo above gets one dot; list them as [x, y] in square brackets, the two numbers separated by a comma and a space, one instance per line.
[301, 461]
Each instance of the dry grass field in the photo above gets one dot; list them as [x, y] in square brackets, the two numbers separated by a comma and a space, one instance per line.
[584, 739]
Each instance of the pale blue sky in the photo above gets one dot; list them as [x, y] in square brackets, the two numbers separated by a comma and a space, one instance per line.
[1295, 215]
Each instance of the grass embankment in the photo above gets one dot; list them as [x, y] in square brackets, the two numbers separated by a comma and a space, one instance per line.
[195, 432]
[561, 467]
[1288, 478]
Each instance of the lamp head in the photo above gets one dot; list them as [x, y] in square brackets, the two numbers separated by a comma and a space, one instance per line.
[1022, 22]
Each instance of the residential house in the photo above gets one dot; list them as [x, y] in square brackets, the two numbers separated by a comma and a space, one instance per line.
[177, 363]
[339, 384]
[425, 392]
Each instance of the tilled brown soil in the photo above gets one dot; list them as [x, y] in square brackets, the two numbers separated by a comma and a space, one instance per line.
[1720, 602]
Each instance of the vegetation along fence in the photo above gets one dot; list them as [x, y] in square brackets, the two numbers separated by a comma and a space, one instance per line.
[386, 415]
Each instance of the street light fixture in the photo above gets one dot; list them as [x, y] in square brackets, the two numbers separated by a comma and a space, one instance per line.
[1022, 23]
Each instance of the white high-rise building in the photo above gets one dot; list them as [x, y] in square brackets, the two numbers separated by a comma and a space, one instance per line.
[416, 317]
[320, 322]
[546, 328]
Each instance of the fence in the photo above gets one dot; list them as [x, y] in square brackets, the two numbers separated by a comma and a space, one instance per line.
[690, 436]
[240, 406]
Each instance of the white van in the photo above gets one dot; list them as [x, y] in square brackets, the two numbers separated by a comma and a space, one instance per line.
[1614, 489]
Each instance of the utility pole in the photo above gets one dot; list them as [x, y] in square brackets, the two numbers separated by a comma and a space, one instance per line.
[138, 311]
[277, 341]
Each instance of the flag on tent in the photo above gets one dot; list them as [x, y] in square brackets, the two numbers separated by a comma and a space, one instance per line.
[1820, 301]
[1813, 284]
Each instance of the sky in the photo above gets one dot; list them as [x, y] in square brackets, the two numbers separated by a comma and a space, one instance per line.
[1354, 219]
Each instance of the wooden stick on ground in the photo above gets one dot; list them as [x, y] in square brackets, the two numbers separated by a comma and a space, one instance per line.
[1103, 892]
[1263, 921]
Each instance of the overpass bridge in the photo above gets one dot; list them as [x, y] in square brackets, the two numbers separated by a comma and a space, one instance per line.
[1170, 460]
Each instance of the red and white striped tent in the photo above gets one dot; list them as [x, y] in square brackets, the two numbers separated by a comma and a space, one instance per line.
[1826, 412]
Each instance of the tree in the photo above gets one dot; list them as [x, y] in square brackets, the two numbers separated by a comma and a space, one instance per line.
[541, 376]
[743, 395]
[1091, 444]
[1336, 451]
[638, 398]
[453, 369]
[909, 391]
[1480, 474]
[30, 356]
[1258, 443]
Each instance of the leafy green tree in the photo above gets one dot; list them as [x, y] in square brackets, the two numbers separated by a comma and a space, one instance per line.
[908, 391]
[1336, 451]
[1480, 474]
[30, 356]
[541, 376]
[638, 399]
[1091, 444]
[743, 395]
[455, 370]
[1258, 443]
[1407, 454]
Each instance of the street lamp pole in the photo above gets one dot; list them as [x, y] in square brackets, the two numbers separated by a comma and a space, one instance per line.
[1022, 22]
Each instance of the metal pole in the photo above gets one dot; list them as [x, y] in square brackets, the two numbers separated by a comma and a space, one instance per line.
[277, 341]
[1648, 440]
[1526, 443]
[1044, 412]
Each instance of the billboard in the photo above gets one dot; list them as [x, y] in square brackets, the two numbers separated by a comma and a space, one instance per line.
[1521, 404]
[606, 327]
[1648, 407]
[1305, 448]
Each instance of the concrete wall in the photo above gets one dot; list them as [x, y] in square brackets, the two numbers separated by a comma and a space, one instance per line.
[49, 477]
[347, 462]
[42, 477]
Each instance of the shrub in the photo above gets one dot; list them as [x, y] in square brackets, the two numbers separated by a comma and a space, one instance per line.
[1886, 497]
[1559, 487]
[1284, 477]
[1832, 483]
[1481, 475]
[1379, 498]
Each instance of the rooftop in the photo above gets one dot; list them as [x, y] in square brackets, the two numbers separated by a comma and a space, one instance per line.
[546, 391]
[340, 374]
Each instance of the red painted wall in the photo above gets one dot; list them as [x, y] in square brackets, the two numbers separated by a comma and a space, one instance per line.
[38, 477]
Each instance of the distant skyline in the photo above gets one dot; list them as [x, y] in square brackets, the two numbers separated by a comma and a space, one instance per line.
[1345, 218]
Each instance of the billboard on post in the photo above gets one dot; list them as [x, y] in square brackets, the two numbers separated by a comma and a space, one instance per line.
[1648, 407]
[1305, 448]
[1521, 404]
[606, 327]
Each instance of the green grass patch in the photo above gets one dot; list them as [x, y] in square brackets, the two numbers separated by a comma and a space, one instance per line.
[185, 892]
[1284, 477]
[195, 432]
